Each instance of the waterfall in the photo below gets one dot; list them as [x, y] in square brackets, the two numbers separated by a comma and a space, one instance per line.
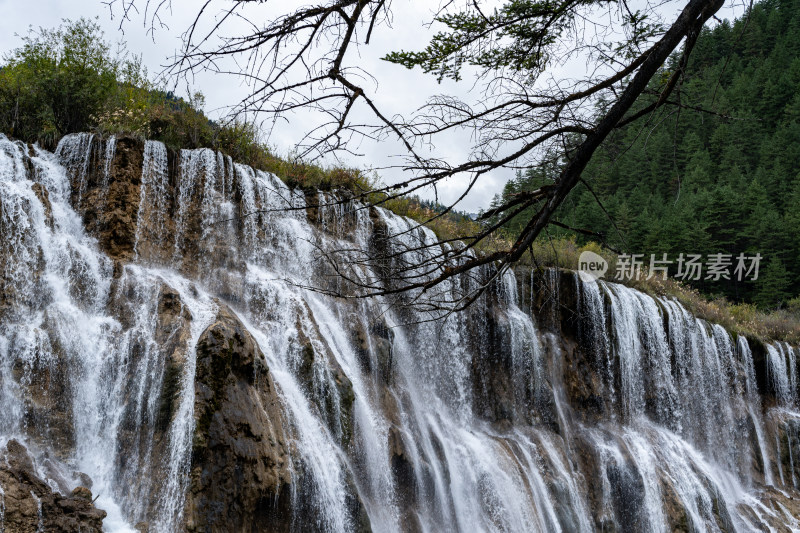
[2, 510]
[153, 212]
[573, 406]
[782, 369]
[39, 515]
[111, 150]
[75, 154]
[754, 406]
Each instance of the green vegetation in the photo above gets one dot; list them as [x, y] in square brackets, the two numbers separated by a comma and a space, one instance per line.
[67, 80]
[719, 175]
[447, 225]
[56, 83]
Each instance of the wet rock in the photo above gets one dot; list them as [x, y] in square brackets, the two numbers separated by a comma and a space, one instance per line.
[17, 456]
[583, 385]
[492, 369]
[85, 480]
[347, 397]
[360, 341]
[240, 478]
[82, 493]
[109, 205]
[590, 465]
[761, 366]
[379, 245]
[333, 212]
[48, 410]
[786, 427]
[44, 197]
[144, 429]
[781, 510]
[554, 301]
[373, 345]
[402, 465]
[115, 224]
[627, 495]
[324, 381]
[556, 304]
[172, 336]
[382, 347]
[30, 504]
[51, 471]
[677, 516]
[331, 391]
[402, 468]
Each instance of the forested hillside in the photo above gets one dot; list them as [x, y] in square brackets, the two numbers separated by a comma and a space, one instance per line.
[716, 171]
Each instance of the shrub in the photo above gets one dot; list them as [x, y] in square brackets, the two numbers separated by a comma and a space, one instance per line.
[58, 82]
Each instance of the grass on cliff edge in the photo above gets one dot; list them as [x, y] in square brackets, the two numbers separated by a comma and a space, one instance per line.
[741, 319]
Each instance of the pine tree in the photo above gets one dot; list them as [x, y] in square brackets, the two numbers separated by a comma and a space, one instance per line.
[772, 285]
[720, 182]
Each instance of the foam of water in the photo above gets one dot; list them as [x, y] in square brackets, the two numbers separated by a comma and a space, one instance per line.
[2, 510]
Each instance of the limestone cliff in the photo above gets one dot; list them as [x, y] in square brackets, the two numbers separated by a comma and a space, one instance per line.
[157, 334]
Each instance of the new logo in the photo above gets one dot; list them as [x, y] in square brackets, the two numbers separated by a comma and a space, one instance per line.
[591, 266]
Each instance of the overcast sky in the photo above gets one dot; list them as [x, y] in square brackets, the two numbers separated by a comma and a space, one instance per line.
[398, 90]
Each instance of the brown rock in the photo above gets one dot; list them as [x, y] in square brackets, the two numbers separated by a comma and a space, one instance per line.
[110, 208]
[17, 456]
[86, 481]
[117, 214]
[44, 196]
[172, 333]
[333, 398]
[240, 465]
[30, 504]
[82, 493]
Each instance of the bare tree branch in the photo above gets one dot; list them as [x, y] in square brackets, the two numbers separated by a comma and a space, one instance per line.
[302, 60]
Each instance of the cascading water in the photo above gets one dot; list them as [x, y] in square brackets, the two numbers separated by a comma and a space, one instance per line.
[151, 227]
[39, 514]
[754, 406]
[643, 419]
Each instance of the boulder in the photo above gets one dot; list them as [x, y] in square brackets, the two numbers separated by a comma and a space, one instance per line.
[240, 477]
[29, 503]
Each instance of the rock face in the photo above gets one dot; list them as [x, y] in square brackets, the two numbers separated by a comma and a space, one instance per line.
[240, 478]
[114, 211]
[155, 328]
[586, 381]
[106, 189]
[30, 505]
